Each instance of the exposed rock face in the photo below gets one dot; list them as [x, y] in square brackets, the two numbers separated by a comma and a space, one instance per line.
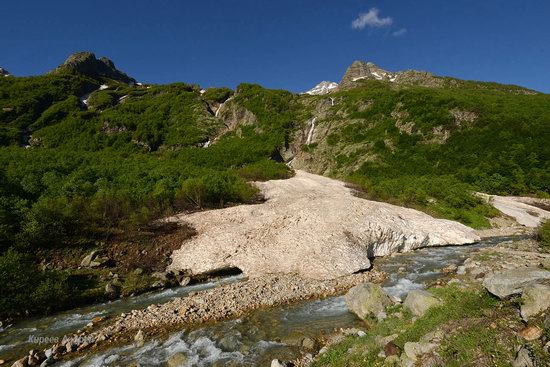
[87, 64]
[234, 115]
[420, 301]
[312, 226]
[360, 70]
[4, 72]
[322, 88]
[368, 300]
[513, 281]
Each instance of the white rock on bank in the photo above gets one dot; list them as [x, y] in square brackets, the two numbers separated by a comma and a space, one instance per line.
[513, 281]
[309, 225]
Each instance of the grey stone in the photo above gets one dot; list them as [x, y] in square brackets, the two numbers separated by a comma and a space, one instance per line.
[414, 350]
[176, 360]
[87, 260]
[278, 363]
[511, 282]
[535, 299]
[139, 338]
[368, 300]
[111, 290]
[419, 301]
[523, 359]
[309, 343]
[184, 281]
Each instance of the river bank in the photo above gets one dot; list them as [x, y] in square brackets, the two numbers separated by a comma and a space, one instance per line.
[286, 332]
[224, 302]
[470, 327]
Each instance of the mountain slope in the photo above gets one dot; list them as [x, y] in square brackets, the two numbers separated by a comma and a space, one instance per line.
[86, 152]
[86, 63]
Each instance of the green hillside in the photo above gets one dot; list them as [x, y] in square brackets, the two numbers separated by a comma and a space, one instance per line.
[74, 172]
[429, 147]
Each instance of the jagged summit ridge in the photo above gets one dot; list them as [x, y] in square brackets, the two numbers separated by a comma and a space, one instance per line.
[324, 87]
[360, 70]
[86, 63]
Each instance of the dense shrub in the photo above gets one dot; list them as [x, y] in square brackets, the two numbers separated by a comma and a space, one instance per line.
[26, 288]
[544, 234]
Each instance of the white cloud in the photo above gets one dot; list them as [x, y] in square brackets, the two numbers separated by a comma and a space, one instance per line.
[400, 32]
[371, 19]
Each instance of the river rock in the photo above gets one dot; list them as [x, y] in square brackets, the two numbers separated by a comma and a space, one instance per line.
[184, 281]
[311, 226]
[420, 301]
[95, 259]
[523, 359]
[278, 363]
[178, 359]
[309, 343]
[23, 362]
[112, 291]
[139, 338]
[368, 300]
[513, 281]
[535, 299]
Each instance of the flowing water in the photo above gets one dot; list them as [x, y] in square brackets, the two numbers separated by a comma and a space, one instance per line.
[252, 340]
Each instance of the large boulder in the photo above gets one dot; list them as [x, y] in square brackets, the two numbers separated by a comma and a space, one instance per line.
[535, 299]
[513, 281]
[309, 225]
[368, 300]
[419, 301]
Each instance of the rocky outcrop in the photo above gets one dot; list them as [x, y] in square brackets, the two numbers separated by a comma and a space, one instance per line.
[360, 70]
[4, 72]
[309, 225]
[87, 64]
[322, 88]
[234, 115]
[513, 281]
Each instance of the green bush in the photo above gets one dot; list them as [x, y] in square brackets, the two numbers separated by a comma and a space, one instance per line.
[219, 95]
[544, 234]
[26, 288]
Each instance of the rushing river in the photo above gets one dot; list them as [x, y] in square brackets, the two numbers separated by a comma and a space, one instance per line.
[251, 340]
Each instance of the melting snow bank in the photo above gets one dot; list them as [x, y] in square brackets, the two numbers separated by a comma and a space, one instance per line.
[522, 209]
[312, 226]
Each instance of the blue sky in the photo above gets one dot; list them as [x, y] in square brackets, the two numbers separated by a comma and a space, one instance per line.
[290, 44]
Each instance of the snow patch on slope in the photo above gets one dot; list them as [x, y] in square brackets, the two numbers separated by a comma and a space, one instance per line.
[322, 88]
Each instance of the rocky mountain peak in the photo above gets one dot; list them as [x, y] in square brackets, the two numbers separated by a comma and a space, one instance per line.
[360, 70]
[86, 63]
[324, 87]
[4, 72]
